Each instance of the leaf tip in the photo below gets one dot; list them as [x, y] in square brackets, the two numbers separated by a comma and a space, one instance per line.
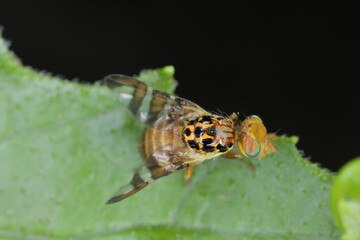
[294, 139]
[170, 70]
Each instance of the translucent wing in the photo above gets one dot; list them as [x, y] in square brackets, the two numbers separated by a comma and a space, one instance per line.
[142, 177]
[160, 163]
[149, 105]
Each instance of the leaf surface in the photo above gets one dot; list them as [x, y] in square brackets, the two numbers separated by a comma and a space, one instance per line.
[65, 148]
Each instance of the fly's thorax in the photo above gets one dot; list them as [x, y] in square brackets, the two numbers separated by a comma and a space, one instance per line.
[210, 134]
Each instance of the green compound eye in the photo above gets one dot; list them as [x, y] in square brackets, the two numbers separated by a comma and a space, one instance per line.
[252, 147]
[256, 116]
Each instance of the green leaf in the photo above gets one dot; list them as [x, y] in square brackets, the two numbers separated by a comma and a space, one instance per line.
[66, 148]
[345, 199]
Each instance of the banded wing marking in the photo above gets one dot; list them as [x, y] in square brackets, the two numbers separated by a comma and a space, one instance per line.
[161, 163]
[149, 105]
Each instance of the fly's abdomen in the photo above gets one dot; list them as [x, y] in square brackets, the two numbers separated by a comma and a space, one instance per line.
[160, 147]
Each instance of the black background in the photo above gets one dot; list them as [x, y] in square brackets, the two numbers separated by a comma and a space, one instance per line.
[296, 66]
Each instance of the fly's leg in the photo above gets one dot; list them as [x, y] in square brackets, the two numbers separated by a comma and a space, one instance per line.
[234, 155]
[188, 173]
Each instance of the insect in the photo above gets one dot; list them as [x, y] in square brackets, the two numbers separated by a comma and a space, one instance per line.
[180, 134]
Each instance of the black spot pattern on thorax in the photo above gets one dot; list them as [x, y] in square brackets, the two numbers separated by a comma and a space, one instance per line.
[207, 141]
[208, 148]
[221, 148]
[198, 131]
[206, 119]
[192, 122]
[193, 144]
[211, 131]
[200, 134]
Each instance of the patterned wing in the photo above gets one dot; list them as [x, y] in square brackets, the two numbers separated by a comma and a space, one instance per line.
[149, 105]
[141, 179]
[158, 166]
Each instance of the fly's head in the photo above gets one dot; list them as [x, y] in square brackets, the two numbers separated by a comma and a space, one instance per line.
[253, 140]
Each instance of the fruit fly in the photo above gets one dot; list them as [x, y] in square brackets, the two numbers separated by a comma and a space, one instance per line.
[180, 134]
